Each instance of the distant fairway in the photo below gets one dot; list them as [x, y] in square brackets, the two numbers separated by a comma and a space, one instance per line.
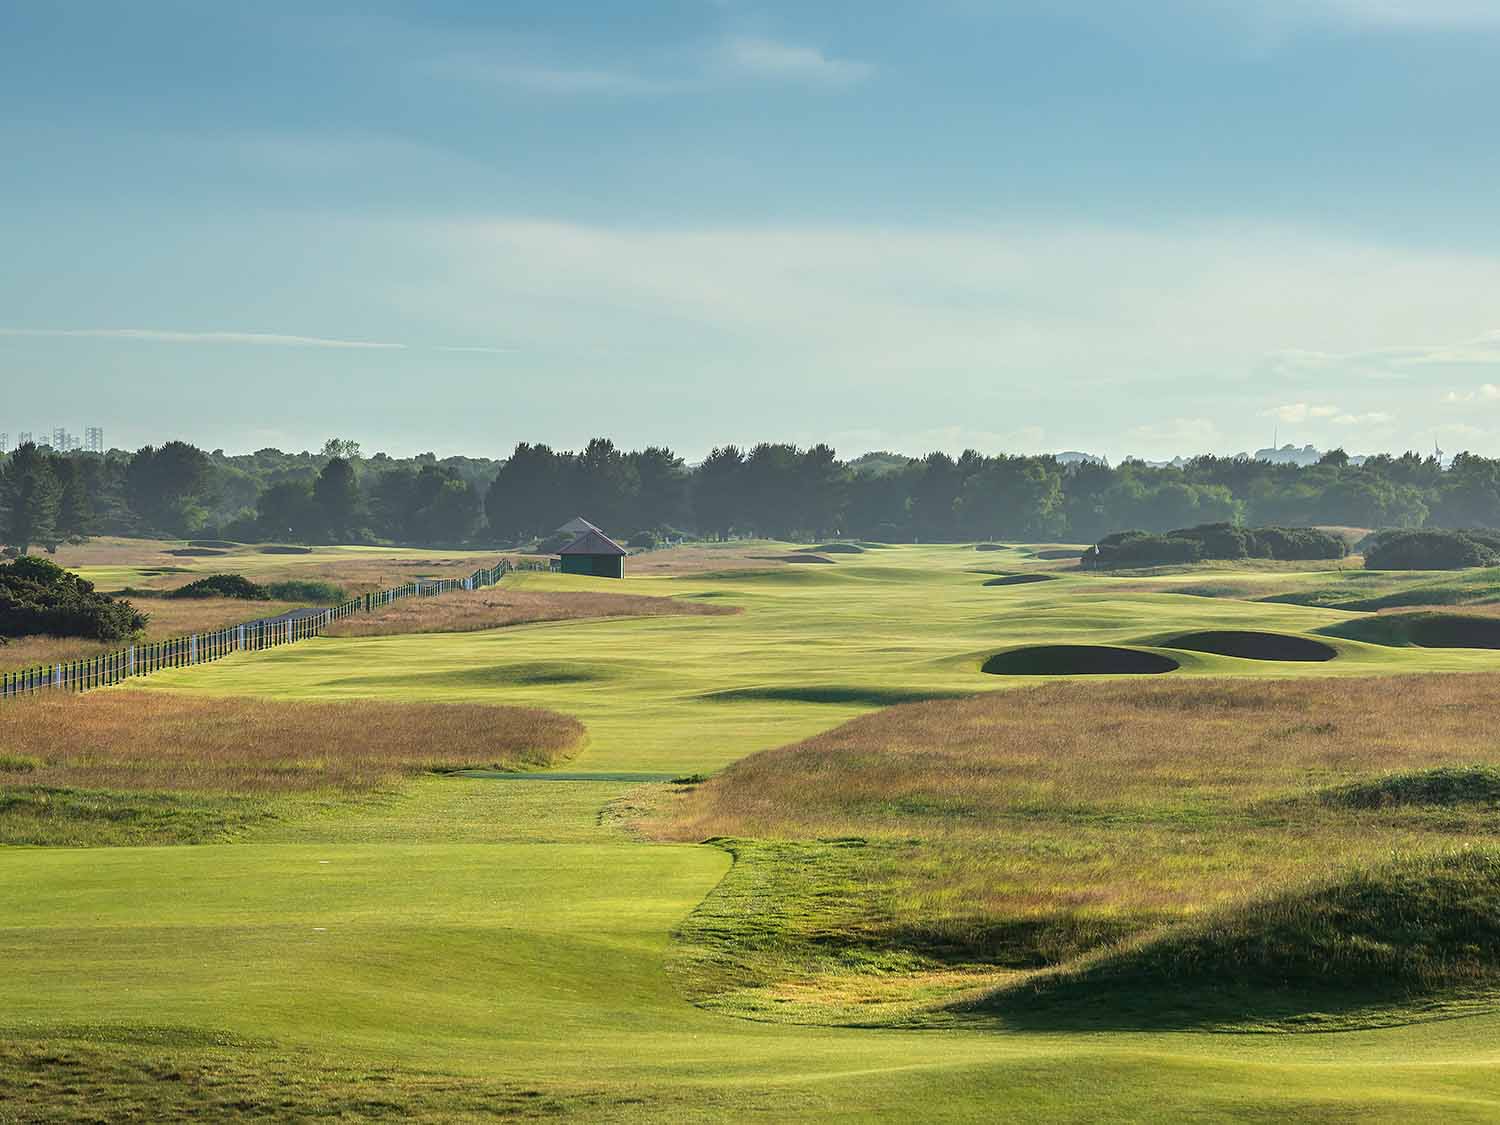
[461, 944]
[815, 645]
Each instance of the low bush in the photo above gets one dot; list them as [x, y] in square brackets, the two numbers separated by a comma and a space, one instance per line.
[1432, 550]
[1140, 548]
[1213, 541]
[37, 596]
[306, 590]
[645, 540]
[223, 586]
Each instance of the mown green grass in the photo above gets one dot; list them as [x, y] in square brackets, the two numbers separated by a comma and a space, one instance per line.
[420, 977]
[471, 946]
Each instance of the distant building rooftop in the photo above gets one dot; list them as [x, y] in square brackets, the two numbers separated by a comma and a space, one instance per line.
[593, 542]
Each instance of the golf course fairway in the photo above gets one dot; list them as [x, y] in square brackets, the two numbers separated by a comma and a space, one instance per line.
[477, 946]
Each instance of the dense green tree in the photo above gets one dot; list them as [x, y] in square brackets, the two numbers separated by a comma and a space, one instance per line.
[288, 511]
[30, 499]
[445, 507]
[529, 495]
[75, 507]
[336, 494]
[168, 487]
[718, 491]
[661, 488]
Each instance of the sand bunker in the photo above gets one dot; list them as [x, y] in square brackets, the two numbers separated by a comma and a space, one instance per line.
[1255, 646]
[1078, 660]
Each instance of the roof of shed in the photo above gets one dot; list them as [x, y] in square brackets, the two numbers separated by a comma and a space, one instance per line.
[593, 543]
[576, 526]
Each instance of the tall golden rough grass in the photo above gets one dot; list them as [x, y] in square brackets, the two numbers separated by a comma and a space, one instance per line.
[156, 741]
[465, 611]
[1206, 744]
[1127, 801]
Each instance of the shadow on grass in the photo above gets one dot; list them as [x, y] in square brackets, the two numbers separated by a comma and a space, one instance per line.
[829, 693]
[534, 673]
[1019, 579]
[1249, 645]
[1423, 630]
[1078, 660]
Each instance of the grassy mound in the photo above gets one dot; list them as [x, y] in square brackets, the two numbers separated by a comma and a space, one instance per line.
[1019, 579]
[1360, 949]
[1249, 645]
[839, 549]
[1078, 660]
[283, 550]
[1057, 554]
[990, 547]
[1443, 787]
[1424, 630]
[197, 553]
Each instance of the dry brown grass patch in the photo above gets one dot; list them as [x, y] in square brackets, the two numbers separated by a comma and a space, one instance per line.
[464, 611]
[1023, 827]
[1110, 749]
[157, 741]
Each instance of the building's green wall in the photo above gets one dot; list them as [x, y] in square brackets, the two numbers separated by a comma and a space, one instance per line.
[596, 566]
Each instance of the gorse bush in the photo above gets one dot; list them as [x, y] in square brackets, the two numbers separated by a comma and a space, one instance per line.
[1432, 550]
[223, 586]
[1213, 541]
[40, 597]
[306, 590]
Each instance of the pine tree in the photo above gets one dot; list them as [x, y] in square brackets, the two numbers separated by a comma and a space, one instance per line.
[30, 497]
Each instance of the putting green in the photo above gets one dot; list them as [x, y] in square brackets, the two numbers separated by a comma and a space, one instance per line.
[509, 932]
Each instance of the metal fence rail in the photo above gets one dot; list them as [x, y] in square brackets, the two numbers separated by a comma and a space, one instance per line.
[200, 648]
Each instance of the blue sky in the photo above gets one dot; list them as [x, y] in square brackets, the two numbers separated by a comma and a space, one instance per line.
[1131, 227]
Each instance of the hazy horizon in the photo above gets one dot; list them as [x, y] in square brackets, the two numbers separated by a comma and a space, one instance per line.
[1161, 229]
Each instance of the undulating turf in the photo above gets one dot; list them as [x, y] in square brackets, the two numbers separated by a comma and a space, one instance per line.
[466, 945]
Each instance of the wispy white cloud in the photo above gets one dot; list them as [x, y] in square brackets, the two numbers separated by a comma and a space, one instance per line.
[1485, 392]
[756, 57]
[270, 339]
[1389, 363]
[734, 60]
[165, 336]
[1410, 13]
[1368, 418]
[544, 78]
[1294, 413]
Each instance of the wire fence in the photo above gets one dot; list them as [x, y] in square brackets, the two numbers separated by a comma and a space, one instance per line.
[253, 636]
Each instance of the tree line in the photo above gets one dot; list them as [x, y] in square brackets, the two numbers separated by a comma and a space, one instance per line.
[780, 490]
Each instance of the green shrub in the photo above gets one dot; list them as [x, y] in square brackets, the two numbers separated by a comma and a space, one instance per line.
[306, 590]
[1297, 543]
[643, 539]
[40, 597]
[1140, 548]
[223, 586]
[1429, 550]
[1214, 541]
